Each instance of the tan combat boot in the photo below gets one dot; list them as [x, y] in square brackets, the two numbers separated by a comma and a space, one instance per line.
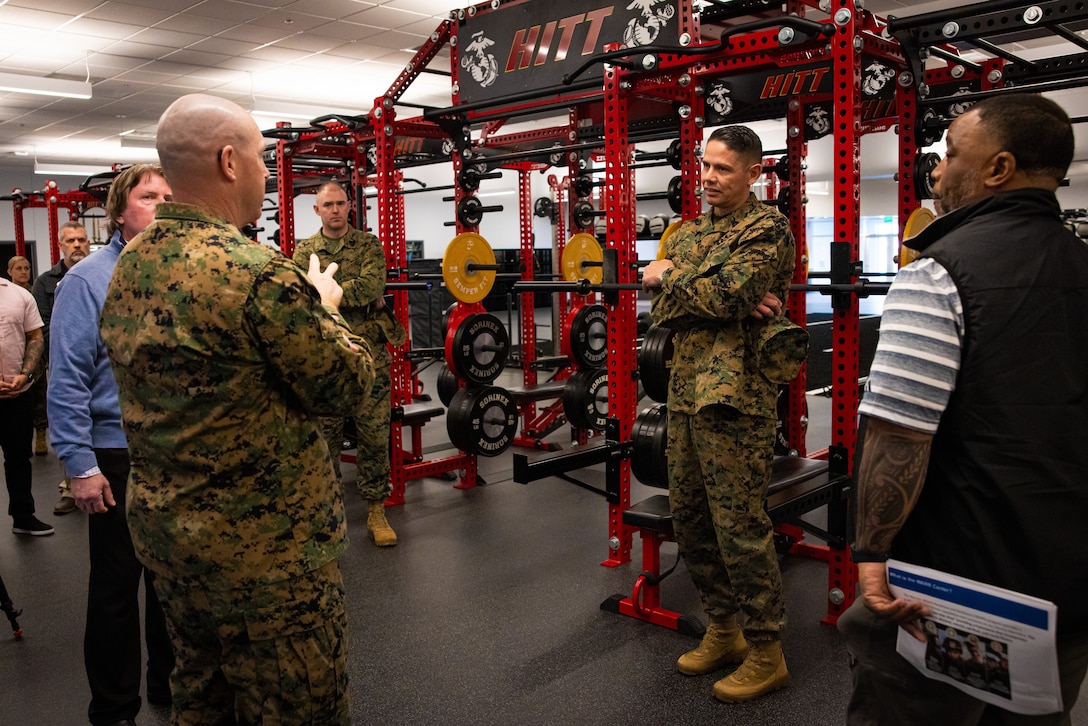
[723, 644]
[763, 671]
[40, 443]
[377, 526]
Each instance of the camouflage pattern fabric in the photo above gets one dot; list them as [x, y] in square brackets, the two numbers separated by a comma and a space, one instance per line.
[723, 269]
[223, 355]
[361, 260]
[719, 469]
[275, 654]
[722, 407]
[361, 274]
[372, 432]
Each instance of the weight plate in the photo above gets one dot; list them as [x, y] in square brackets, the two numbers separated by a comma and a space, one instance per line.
[446, 318]
[654, 358]
[924, 165]
[482, 420]
[672, 154]
[659, 223]
[584, 214]
[675, 195]
[669, 231]
[582, 248]
[588, 336]
[467, 285]
[918, 220]
[446, 385]
[585, 399]
[479, 350]
[649, 453]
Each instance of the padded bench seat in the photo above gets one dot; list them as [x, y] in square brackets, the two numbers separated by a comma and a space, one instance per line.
[550, 389]
[798, 485]
[417, 414]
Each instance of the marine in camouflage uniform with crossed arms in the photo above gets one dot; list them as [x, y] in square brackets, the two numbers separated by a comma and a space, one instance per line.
[362, 276]
[720, 286]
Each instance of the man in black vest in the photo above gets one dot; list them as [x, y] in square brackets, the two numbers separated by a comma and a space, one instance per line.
[973, 461]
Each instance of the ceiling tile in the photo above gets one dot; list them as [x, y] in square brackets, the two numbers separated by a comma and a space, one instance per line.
[12, 16]
[386, 17]
[197, 24]
[166, 38]
[357, 51]
[334, 9]
[146, 51]
[223, 46]
[248, 64]
[256, 34]
[126, 13]
[102, 63]
[423, 27]
[395, 39]
[102, 28]
[175, 6]
[227, 10]
[289, 21]
[309, 42]
[140, 75]
[278, 54]
[195, 57]
[171, 68]
[70, 8]
[435, 8]
[344, 30]
[36, 65]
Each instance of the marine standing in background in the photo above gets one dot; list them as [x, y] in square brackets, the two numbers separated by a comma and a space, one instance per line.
[361, 262]
[720, 287]
[224, 352]
[85, 428]
[74, 246]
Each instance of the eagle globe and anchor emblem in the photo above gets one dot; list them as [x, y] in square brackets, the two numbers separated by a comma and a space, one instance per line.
[646, 26]
[480, 64]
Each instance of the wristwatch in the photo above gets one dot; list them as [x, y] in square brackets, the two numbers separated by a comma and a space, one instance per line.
[29, 376]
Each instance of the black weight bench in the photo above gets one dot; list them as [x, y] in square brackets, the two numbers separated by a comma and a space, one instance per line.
[798, 485]
[414, 416]
[538, 392]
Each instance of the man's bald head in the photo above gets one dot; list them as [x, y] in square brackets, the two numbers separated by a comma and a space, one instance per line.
[207, 146]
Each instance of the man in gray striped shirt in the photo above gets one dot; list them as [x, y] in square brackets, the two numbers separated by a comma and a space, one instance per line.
[973, 461]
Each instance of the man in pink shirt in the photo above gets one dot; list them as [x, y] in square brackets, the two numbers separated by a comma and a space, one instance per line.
[21, 344]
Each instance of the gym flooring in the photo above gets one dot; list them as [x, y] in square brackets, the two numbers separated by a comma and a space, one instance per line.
[486, 612]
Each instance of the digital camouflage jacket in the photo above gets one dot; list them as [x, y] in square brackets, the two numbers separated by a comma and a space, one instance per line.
[361, 274]
[723, 268]
[223, 355]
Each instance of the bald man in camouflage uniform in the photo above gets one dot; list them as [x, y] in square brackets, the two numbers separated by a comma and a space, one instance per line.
[224, 351]
[720, 287]
[362, 275]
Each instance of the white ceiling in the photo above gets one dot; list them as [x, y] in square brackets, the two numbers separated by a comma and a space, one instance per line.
[321, 56]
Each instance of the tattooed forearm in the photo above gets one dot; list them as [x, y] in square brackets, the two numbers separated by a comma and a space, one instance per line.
[33, 353]
[890, 476]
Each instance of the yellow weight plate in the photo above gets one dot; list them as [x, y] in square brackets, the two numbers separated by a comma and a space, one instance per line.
[464, 283]
[669, 231]
[582, 248]
[918, 220]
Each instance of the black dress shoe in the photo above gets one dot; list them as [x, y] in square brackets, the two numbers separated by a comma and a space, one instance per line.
[126, 722]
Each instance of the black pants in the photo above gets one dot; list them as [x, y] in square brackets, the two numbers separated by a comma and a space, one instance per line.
[16, 432]
[111, 643]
